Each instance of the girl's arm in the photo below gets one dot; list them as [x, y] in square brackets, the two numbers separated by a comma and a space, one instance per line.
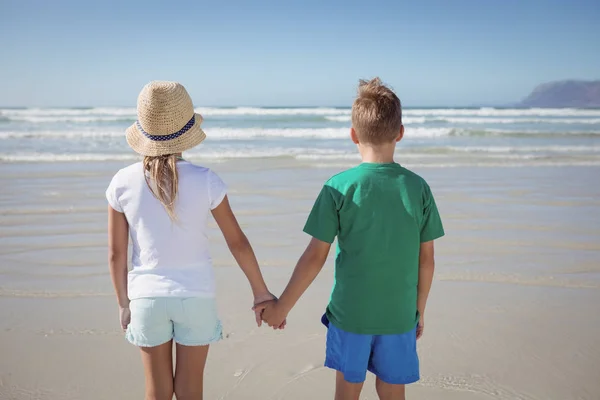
[242, 251]
[118, 238]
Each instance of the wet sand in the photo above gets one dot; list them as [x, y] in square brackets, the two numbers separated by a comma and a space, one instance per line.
[513, 312]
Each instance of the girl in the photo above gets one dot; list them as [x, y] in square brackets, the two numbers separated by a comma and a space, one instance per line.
[163, 204]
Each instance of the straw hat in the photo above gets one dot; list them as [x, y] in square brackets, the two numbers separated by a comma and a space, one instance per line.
[167, 123]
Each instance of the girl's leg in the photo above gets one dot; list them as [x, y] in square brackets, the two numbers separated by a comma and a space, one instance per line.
[346, 390]
[158, 370]
[387, 391]
[189, 371]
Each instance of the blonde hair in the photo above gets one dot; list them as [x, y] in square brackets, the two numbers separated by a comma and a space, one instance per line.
[163, 180]
[376, 113]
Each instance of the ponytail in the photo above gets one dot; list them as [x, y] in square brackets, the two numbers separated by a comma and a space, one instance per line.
[162, 179]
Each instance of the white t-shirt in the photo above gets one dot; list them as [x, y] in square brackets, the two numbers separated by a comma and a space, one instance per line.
[170, 258]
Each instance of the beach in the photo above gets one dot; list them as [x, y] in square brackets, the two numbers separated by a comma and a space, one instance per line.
[513, 312]
[496, 105]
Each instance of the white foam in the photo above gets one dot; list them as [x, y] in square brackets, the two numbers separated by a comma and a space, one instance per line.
[318, 133]
[471, 120]
[508, 112]
[467, 164]
[521, 149]
[51, 157]
[339, 118]
[35, 119]
[249, 133]
[411, 116]
[40, 112]
[324, 111]
[421, 132]
[226, 133]
[269, 152]
[481, 120]
[412, 132]
[467, 154]
[208, 111]
[66, 114]
[275, 152]
[68, 118]
[62, 134]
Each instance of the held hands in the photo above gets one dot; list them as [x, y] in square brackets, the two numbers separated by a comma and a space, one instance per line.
[272, 312]
[260, 303]
[258, 300]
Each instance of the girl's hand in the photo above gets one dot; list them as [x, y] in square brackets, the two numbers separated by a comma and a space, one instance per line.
[124, 317]
[260, 308]
[261, 298]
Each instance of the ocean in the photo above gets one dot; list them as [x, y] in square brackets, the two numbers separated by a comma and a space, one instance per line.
[318, 137]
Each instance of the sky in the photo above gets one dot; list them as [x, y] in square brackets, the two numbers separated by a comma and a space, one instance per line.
[292, 53]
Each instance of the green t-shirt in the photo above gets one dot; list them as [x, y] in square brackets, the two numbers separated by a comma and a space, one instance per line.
[380, 213]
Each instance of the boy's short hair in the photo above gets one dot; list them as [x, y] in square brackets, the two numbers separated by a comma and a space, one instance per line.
[376, 112]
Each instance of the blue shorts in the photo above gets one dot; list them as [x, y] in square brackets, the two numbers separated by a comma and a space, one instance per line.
[392, 358]
[189, 321]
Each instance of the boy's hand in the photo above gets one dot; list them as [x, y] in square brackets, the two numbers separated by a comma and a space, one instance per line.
[271, 312]
[258, 300]
[420, 327]
[275, 315]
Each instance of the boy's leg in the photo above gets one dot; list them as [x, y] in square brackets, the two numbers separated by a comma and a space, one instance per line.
[345, 390]
[387, 391]
[347, 353]
[395, 362]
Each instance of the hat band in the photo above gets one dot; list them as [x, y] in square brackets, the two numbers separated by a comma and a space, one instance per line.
[162, 138]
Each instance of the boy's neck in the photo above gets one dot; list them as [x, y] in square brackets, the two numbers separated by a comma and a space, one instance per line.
[380, 154]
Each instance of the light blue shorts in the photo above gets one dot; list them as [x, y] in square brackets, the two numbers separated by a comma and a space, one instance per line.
[392, 358]
[189, 321]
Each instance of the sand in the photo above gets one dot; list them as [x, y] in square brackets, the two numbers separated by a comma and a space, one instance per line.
[513, 312]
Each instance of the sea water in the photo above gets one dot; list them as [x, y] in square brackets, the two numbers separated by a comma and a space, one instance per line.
[316, 136]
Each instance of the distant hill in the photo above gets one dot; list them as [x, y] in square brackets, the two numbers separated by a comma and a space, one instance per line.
[570, 93]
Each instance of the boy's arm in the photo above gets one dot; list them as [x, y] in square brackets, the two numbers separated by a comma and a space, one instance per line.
[426, 269]
[308, 267]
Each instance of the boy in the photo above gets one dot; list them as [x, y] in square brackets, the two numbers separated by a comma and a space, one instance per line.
[386, 220]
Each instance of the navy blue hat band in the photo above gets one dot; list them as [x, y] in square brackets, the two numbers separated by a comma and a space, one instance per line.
[162, 138]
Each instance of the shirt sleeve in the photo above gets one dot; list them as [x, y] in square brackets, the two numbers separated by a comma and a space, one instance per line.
[432, 227]
[217, 190]
[111, 195]
[323, 221]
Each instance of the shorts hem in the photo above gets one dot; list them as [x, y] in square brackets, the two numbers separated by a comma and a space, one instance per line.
[139, 343]
[193, 344]
[217, 337]
[405, 380]
[335, 366]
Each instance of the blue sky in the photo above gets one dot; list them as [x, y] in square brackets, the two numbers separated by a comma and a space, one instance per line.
[274, 53]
